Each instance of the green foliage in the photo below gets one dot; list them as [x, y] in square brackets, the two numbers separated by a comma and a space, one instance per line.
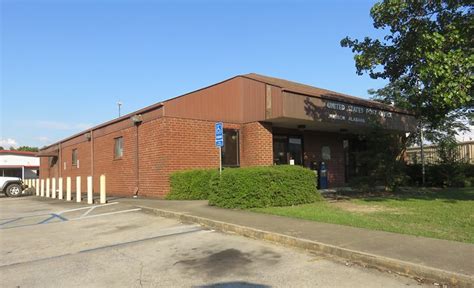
[265, 187]
[191, 185]
[448, 174]
[28, 148]
[444, 214]
[23, 148]
[380, 163]
[426, 55]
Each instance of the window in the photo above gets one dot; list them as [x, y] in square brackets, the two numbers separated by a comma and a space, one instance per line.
[74, 157]
[118, 148]
[230, 151]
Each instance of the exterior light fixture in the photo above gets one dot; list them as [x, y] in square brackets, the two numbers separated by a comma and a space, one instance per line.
[136, 119]
[88, 136]
[301, 127]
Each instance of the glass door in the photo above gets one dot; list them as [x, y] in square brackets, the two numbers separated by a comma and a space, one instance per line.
[295, 150]
[287, 148]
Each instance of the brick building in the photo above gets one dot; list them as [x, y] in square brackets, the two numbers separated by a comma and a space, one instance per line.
[266, 120]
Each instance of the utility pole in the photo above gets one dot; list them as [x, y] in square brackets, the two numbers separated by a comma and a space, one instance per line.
[119, 104]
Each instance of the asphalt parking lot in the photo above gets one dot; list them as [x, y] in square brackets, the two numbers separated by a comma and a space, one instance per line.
[51, 243]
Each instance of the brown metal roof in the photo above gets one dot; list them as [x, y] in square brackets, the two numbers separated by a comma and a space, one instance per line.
[299, 88]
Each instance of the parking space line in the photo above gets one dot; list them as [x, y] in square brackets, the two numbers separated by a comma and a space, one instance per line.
[87, 212]
[52, 217]
[106, 214]
[86, 207]
[11, 220]
[191, 230]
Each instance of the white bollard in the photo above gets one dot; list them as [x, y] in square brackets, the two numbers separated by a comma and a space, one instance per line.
[68, 189]
[53, 189]
[47, 187]
[37, 187]
[90, 199]
[78, 189]
[60, 188]
[28, 182]
[102, 190]
[42, 187]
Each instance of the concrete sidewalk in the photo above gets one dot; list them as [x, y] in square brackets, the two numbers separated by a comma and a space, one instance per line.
[433, 259]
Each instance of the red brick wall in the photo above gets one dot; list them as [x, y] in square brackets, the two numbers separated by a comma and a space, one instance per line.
[47, 170]
[257, 140]
[120, 173]
[83, 156]
[173, 144]
[313, 143]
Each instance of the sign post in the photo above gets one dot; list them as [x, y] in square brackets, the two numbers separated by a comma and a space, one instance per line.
[219, 131]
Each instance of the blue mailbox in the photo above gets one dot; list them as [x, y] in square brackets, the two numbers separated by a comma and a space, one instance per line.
[323, 176]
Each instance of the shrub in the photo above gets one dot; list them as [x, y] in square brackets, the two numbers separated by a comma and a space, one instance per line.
[264, 187]
[191, 185]
[454, 174]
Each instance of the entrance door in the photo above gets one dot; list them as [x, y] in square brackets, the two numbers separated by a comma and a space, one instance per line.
[286, 148]
[295, 149]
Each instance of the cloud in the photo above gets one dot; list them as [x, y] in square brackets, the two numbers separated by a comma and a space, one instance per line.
[43, 139]
[53, 125]
[8, 142]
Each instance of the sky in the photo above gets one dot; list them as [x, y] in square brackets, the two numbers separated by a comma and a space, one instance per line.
[65, 64]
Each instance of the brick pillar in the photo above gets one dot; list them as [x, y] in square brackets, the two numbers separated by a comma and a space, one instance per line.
[257, 144]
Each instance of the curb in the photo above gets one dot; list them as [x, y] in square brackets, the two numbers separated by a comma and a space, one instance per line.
[365, 259]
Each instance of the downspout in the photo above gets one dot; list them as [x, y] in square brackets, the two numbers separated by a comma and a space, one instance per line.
[92, 158]
[137, 162]
[137, 120]
[60, 160]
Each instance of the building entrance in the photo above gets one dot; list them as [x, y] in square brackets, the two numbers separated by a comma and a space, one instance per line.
[287, 148]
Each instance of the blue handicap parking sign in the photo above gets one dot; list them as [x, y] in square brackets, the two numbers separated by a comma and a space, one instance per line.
[219, 134]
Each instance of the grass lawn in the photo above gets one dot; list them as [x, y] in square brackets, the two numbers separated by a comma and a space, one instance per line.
[445, 214]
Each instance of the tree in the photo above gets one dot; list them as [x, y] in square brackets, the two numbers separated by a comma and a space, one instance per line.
[1, 148]
[24, 148]
[28, 148]
[427, 56]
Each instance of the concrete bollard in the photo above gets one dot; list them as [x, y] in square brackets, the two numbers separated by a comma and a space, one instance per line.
[53, 188]
[47, 187]
[60, 188]
[42, 187]
[103, 198]
[78, 189]
[90, 199]
[68, 189]
[37, 187]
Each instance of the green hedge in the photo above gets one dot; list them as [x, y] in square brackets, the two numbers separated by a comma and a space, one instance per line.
[443, 174]
[264, 187]
[191, 185]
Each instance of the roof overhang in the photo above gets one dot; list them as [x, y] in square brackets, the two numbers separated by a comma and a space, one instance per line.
[52, 151]
[335, 114]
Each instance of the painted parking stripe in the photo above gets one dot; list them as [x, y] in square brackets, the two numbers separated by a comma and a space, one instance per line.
[86, 207]
[191, 230]
[106, 214]
[53, 216]
[60, 212]
[10, 221]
